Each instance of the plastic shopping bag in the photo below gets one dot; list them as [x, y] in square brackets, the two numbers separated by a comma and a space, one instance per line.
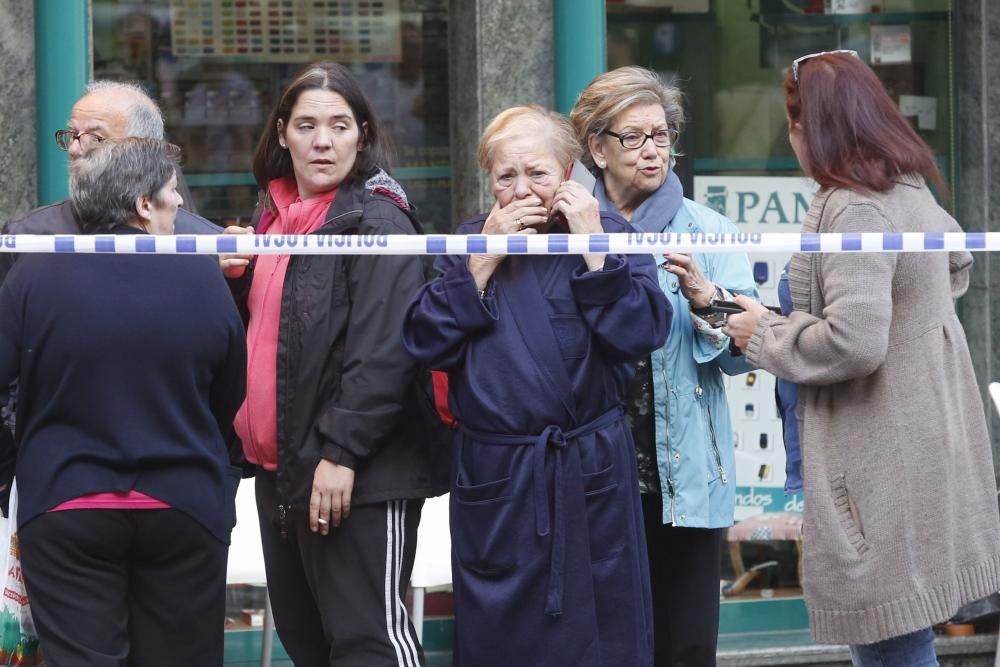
[18, 641]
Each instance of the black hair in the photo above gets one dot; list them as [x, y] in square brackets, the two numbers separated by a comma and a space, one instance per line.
[271, 161]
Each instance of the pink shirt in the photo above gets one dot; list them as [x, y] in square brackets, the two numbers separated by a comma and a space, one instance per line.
[115, 500]
[257, 420]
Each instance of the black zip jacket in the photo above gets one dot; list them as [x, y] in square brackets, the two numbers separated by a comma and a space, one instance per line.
[347, 389]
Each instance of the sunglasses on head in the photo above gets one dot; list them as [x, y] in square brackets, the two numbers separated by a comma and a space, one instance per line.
[802, 59]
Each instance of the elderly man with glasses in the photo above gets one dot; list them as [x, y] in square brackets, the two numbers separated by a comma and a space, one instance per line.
[108, 110]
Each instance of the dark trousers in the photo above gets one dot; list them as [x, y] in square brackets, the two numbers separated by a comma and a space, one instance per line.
[684, 571]
[110, 588]
[338, 599]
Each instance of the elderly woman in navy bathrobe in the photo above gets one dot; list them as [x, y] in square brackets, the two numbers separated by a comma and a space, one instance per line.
[549, 555]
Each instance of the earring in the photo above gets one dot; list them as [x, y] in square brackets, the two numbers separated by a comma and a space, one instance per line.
[282, 144]
[601, 164]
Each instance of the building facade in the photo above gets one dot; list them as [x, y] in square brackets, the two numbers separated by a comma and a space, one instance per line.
[438, 71]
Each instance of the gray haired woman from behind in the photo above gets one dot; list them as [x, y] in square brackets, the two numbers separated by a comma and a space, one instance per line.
[131, 368]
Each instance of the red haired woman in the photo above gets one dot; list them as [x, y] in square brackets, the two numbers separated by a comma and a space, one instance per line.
[901, 519]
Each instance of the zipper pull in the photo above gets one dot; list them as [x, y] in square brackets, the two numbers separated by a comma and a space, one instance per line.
[722, 475]
[670, 488]
[281, 522]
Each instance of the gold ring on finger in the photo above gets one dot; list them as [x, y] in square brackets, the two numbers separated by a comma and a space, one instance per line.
[520, 225]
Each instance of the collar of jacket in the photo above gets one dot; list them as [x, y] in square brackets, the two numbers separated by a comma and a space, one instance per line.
[685, 220]
[346, 208]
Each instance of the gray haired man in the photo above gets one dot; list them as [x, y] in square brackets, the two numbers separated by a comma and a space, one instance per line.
[108, 110]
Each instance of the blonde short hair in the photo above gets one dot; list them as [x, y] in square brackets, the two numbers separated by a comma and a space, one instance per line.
[612, 93]
[531, 120]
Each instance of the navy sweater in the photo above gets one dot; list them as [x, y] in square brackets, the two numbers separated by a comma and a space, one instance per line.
[130, 370]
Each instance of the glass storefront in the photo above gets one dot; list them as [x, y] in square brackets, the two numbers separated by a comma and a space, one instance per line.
[217, 68]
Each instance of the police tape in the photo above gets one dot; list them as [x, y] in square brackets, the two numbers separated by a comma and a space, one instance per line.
[500, 244]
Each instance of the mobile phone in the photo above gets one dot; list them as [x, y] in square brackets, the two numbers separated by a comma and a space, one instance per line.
[578, 172]
[726, 307]
[731, 307]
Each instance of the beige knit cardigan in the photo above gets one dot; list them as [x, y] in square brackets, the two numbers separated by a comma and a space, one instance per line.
[901, 525]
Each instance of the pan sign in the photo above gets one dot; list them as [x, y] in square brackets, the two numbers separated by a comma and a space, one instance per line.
[757, 200]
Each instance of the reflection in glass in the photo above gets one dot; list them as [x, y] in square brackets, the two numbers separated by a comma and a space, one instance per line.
[215, 75]
[734, 91]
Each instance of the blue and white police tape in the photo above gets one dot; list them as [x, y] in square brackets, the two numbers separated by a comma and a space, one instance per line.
[499, 244]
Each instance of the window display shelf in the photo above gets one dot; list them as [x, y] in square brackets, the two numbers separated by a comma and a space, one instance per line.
[224, 179]
[874, 18]
[218, 179]
[663, 13]
[746, 164]
[711, 164]
[216, 106]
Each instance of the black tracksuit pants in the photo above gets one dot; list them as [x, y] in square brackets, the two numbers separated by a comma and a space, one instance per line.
[685, 565]
[338, 599]
[109, 588]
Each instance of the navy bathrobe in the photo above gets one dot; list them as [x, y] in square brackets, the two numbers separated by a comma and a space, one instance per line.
[549, 556]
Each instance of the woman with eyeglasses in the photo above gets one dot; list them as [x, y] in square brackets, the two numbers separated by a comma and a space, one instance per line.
[628, 122]
[901, 523]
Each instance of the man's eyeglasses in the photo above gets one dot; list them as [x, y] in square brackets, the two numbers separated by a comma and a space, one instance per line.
[799, 61]
[65, 138]
[633, 140]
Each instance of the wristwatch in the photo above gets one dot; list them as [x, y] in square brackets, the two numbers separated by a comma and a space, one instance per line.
[707, 310]
[713, 318]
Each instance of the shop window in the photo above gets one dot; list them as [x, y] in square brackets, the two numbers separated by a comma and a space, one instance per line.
[730, 56]
[216, 69]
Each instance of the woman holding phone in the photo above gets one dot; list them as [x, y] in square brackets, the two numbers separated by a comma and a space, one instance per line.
[546, 525]
[628, 122]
